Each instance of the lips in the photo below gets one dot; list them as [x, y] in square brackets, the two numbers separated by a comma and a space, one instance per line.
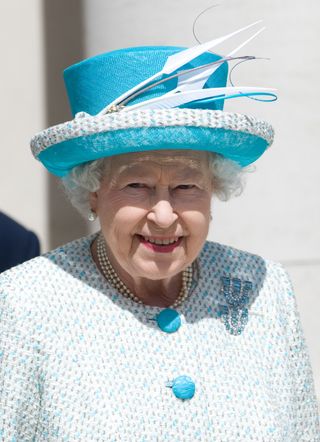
[161, 241]
[162, 245]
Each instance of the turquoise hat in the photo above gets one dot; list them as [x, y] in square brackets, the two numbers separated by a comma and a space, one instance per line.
[124, 101]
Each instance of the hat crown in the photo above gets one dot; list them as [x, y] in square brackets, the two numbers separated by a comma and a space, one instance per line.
[95, 82]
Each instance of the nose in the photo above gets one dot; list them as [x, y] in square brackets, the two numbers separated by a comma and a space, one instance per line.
[162, 214]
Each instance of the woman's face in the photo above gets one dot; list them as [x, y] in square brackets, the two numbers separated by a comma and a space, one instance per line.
[154, 211]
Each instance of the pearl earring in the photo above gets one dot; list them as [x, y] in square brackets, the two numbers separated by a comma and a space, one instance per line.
[92, 216]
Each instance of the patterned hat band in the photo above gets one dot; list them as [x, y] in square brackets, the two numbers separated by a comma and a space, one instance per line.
[85, 125]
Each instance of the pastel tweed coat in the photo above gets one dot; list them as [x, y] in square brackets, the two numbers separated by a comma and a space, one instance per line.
[79, 362]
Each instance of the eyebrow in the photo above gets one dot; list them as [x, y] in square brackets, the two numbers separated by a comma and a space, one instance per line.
[184, 173]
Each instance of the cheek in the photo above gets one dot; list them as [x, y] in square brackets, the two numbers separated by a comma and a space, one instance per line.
[128, 217]
[198, 213]
[118, 222]
[115, 202]
[197, 222]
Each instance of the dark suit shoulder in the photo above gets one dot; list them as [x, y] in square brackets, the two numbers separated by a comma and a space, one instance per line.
[17, 244]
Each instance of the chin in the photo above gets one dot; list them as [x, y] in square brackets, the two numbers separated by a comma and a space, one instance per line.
[161, 270]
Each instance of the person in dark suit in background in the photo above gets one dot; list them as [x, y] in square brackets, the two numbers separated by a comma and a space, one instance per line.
[17, 244]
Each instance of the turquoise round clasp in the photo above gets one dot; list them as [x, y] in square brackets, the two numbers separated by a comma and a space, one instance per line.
[168, 320]
[183, 387]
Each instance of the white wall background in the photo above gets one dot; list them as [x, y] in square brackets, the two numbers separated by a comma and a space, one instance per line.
[23, 186]
[277, 216]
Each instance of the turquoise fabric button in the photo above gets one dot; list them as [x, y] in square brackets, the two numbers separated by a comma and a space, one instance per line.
[168, 320]
[183, 387]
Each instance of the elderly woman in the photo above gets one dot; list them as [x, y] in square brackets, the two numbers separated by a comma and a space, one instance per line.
[145, 331]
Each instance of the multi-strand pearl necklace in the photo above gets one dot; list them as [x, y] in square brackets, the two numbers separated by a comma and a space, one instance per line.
[111, 275]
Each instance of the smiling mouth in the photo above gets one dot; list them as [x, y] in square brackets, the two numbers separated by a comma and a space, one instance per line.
[160, 244]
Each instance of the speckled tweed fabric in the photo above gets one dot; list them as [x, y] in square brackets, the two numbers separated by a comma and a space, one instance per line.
[81, 363]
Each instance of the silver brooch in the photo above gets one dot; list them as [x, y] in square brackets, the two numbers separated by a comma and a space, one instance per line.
[235, 313]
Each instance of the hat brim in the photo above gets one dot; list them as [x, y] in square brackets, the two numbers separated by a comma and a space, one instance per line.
[240, 138]
[241, 147]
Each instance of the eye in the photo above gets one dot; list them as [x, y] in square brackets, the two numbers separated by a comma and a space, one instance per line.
[136, 185]
[185, 186]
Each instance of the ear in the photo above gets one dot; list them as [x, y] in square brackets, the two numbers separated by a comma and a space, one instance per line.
[93, 201]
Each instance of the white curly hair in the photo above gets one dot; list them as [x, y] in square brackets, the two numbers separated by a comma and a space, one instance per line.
[227, 178]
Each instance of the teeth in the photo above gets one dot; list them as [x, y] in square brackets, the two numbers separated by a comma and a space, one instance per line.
[161, 242]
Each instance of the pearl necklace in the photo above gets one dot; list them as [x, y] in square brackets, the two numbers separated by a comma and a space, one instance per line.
[111, 275]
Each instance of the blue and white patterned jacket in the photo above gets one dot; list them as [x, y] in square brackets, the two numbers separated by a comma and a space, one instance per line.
[80, 362]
